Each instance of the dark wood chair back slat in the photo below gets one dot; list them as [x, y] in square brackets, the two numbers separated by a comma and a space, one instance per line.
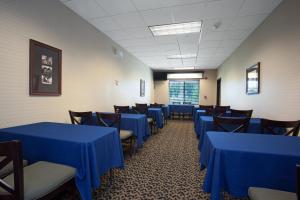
[141, 108]
[203, 107]
[109, 119]
[81, 118]
[122, 109]
[156, 105]
[187, 103]
[12, 151]
[280, 127]
[238, 124]
[220, 110]
[241, 113]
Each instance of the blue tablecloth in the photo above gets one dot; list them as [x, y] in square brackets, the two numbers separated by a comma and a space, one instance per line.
[235, 162]
[135, 122]
[194, 111]
[92, 150]
[181, 108]
[157, 114]
[206, 124]
[197, 114]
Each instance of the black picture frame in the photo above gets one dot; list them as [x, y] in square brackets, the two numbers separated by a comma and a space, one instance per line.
[253, 79]
[142, 87]
[44, 69]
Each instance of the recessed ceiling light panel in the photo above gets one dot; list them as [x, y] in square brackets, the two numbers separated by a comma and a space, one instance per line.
[182, 56]
[176, 29]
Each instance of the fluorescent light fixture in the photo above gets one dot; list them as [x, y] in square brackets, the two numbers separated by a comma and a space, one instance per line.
[185, 76]
[176, 29]
[182, 56]
[183, 68]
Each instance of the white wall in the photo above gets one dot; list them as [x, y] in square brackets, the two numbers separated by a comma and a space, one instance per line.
[208, 88]
[276, 44]
[89, 69]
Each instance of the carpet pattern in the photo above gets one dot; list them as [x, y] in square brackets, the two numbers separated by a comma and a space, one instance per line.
[167, 167]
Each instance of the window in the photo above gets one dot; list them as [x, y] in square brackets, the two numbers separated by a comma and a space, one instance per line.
[184, 91]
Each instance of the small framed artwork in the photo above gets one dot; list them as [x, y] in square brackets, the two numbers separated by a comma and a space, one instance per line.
[142, 87]
[253, 79]
[44, 69]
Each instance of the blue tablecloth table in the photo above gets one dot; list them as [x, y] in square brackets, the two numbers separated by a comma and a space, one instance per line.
[186, 109]
[206, 124]
[157, 114]
[236, 161]
[92, 150]
[135, 122]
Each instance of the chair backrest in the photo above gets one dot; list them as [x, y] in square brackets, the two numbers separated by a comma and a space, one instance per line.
[176, 103]
[187, 103]
[204, 107]
[81, 118]
[241, 113]
[280, 127]
[228, 124]
[156, 105]
[141, 108]
[220, 110]
[122, 109]
[109, 119]
[12, 151]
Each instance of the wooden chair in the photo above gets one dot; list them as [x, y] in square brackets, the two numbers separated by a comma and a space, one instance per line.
[220, 110]
[81, 118]
[114, 120]
[41, 180]
[280, 127]
[187, 103]
[231, 125]
[241, 113]
[208, 109]
[203, 107]
[258, 193]
[143, 109]
[122, 109]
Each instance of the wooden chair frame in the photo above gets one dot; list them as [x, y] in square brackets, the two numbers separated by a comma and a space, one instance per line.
[12, 150]
[238, 113]
[269, 125]
[122, 109]
[86, 118]
[243, 123]
[114, 120]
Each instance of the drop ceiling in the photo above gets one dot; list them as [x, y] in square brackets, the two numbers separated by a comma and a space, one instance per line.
[226, 24]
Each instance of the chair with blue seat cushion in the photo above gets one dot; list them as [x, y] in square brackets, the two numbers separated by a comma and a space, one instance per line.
[233, 125]
[143, 109]
[41, 180]
[259, 193]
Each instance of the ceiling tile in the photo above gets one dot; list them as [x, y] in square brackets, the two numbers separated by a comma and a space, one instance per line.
[216, 35]
[130, 20]
[105, 24]
[254, 7]
[222, 9]
[235, 34]
[115, 7]
[136, 42]
[153, 4]
[129, 33]
[230, 43]
[209, 43]
[158, 17]
[247, 22]
[87, 9]
[188, 13]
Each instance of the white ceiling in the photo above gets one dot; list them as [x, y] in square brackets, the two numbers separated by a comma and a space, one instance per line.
[126, 22]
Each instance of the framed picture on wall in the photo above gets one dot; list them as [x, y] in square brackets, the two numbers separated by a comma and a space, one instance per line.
[44, 69]
[253, 79]
[142, 87]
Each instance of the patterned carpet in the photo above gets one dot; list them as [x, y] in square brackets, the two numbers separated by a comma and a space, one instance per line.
[167, 167]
